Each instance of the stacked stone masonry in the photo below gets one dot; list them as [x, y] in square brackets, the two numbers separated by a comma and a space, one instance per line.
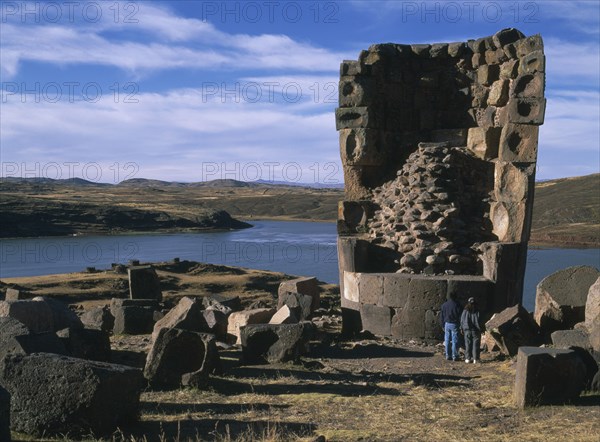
[439, 145]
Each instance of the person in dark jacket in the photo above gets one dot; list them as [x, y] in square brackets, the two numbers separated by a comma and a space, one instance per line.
[469, 323]
[450, 319]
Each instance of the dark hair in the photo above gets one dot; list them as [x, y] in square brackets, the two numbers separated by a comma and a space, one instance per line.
[470, 307]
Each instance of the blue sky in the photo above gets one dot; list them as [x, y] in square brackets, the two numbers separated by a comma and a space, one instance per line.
[198, 90]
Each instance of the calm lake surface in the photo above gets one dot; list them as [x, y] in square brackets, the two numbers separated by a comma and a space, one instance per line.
[297, 248]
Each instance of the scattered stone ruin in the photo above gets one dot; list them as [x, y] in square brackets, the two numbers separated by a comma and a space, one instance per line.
[438, 144]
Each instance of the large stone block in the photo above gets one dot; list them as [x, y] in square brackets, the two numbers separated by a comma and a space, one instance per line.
[478, 287]
[498, 93]
[504, 265]
[529, 44]
[358, 180]
[355, 91]
[592, 304]
[186, 315]
[426, 292]
[487, 74]
[355, 118]
[370, 287]
[144, 283]
[528, 86]
[351, 68]
[513, 328]
[548, 376]
[571, 338]
[36, 316]
[376, 319]
[275, 343]
[70, 397]
[351, 283]
[527, 110]
[511, 221]
[98, 318]
[509, 69]
[533, 62]
[353, 216]
[133, 320]
[362, 147]
[518, 143]
[395, 289]
[15, 295]
[15, 338]
[285, 315]
[300, 288]
[484, 142]
[176, 352]
[237, 320]
[513, 182]
[506, 36]
[62, 316]
[226, 304]
[90, 344]
[561, 297]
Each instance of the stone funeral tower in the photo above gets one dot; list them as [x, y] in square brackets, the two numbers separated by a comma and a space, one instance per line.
[439, 145]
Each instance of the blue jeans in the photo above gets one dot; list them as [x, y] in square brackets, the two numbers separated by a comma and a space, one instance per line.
[451, 340]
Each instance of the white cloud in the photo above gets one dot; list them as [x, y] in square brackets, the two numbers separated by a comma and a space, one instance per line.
[173, 131]
[182, 43]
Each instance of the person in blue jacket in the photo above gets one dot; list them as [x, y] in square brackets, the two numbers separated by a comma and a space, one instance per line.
[450, 319]
[469, 323]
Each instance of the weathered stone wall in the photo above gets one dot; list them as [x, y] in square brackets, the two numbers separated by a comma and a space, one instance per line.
[438, 144]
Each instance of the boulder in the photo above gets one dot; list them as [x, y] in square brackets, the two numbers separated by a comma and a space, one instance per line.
[234, 302]
[285, 316]
[144, 283]
[592, 305]
[177, 352]
[36, 316]
[571, 338]
[70, 397]
[560, 298]
[186, 315]
[62, 316]
[15, 338]
[240, 319]
[86, 343]
[301, 305]
[4, 415]
[512, 328]
[215, 322]
[275, 343]
[98, 318]
[593, 330]
[133, 320]
[548, 376]
[303, 292]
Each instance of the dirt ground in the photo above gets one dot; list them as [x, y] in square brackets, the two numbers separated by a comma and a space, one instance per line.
[364, 389]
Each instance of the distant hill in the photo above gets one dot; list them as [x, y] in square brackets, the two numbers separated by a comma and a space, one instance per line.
[566, 211]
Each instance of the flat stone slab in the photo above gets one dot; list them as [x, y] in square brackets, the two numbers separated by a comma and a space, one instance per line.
[548, 376]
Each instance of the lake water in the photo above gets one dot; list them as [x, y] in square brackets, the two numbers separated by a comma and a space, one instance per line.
[297, 248]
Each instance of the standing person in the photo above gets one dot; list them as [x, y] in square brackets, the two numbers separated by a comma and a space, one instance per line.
[450, 319]
[469, 322]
